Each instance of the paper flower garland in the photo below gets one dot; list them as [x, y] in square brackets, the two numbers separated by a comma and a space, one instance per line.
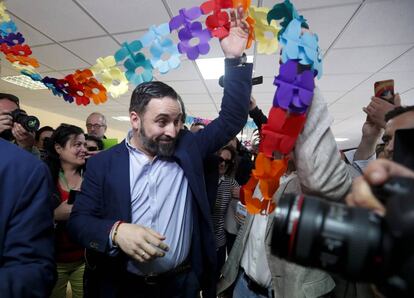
[265, 45]
[218, 22]
[295, 90]
[135, 60]
[113, 79]
[160, 45]
[302, 46]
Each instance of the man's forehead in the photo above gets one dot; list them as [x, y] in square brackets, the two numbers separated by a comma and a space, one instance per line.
[94, 118]
[8, 104]
[405, 120]
[164, 106]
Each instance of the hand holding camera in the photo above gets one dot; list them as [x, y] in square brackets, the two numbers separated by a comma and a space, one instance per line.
[377, 173]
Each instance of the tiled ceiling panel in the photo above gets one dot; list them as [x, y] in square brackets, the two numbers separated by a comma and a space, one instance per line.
[58, 58]
[103, 46]
[381, 23]
[59, 19]
[122, 16]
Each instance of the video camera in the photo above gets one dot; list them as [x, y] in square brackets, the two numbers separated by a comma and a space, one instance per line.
[355, 242]
[29, 123]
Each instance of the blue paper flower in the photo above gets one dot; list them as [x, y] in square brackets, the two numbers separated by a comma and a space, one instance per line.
[33, 75]
[7, 27]
[160, 45]
[134, 60]
[303, 47]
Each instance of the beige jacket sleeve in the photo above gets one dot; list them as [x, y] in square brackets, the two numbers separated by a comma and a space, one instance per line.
[319, 167]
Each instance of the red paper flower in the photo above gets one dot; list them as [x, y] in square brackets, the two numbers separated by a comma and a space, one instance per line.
[218, 23]
[281, 131]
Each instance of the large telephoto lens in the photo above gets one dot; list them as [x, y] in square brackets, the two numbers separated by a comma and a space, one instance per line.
[313, 232]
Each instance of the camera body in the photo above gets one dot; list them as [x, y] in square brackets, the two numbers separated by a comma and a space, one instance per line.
[30, 123]
[355, 242]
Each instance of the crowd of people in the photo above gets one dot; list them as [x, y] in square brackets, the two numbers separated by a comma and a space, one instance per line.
[159, 215]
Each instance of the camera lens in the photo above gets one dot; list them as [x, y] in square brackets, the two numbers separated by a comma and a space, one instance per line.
[317, 233]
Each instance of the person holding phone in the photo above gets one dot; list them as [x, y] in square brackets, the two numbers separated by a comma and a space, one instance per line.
[66, 159]
[383, 101]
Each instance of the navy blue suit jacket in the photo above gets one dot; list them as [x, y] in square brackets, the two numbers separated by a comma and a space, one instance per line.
[105, 196]
[27, 266]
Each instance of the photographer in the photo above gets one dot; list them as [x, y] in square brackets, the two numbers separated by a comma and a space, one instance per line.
[11, 130]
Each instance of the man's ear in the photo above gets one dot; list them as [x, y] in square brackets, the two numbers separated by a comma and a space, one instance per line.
[135, 120]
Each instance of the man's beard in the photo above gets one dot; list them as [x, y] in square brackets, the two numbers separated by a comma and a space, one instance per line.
[157, 147]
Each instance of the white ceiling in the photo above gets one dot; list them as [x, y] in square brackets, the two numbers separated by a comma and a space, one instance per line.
[362, 41]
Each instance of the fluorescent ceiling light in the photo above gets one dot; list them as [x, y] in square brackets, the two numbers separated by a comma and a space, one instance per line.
[24, 81]
[121, 118]
[213, 68]
[341, 139]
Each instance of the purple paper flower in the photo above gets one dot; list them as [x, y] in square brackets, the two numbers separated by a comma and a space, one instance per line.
[187, 34]
[185, 18]
[12, 39]
[295, 90]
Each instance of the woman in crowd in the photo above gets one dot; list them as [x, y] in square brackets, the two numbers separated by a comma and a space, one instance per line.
[66, 160]
[226, 187]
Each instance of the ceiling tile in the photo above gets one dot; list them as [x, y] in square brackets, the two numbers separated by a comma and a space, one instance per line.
[121, 16]
[360, 60]
[187, 71]
[59, 19]
[403, 63]
[187, 87]
[57, 57]
[32, 37]
[381, 23]
[340, 82]
[92, 48]
[306, 4]
[320, 21]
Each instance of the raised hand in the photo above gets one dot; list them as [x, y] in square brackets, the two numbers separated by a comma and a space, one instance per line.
[234, 44]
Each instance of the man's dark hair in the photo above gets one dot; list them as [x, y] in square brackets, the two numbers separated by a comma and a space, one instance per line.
[41, 130]
[397, 112]
[10, 97]
[144, 92]
[198, 124]
[98, 141]
[184, 115]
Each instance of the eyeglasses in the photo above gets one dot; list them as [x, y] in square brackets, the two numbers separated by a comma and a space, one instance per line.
[95, 126]
[92, 148]
[226, 161]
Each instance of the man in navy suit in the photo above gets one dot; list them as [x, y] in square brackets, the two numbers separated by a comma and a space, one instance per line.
[143, 208]
[27, 266]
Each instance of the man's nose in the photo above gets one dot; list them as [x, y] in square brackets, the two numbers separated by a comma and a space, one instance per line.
[171, 130]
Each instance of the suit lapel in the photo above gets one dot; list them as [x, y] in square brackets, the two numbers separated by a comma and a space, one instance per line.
[120, 172]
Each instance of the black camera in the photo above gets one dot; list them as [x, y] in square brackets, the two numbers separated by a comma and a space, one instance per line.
[29, 123]
[355, 242]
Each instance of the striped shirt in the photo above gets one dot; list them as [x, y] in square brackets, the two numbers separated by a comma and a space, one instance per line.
[224, 195]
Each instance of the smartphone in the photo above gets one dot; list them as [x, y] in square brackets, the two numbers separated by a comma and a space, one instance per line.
[385, 90]
[72, 196]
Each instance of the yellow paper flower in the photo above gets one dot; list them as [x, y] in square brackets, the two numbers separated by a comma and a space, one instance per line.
[111, 76]
[4, 16]
[265, 45]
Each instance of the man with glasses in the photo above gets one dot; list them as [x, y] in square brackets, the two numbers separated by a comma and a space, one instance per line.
[96, 125]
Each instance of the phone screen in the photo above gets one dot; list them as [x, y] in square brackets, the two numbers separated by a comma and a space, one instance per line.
[385, 90]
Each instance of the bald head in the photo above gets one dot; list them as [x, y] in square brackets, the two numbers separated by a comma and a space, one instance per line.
[96, 125]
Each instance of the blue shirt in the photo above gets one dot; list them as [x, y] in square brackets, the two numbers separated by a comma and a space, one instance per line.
[160, 200]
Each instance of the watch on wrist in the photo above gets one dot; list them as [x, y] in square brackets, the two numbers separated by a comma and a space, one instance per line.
[238, 61]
